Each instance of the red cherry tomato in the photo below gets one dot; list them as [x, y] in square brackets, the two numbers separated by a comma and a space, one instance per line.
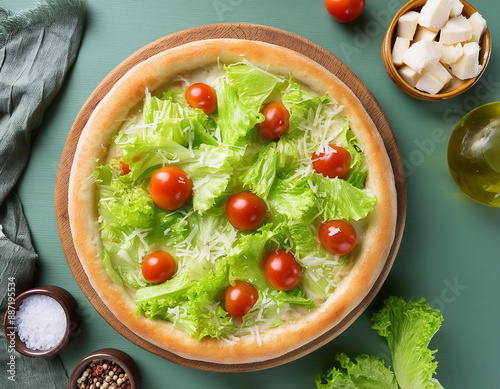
[282, 270]
[246, 211]
[202, 96]
[275, 123]
[125, 168]
[345, 11]
[240, 298]
[337, 237]
[158, 267]
[170, 188]
[333, 162]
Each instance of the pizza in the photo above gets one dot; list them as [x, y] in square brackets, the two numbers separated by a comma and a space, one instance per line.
[231, 201]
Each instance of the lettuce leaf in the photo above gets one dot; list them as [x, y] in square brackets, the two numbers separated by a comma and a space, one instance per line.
[300, 104]
[252, 84]
[408, 328]
[271, 303]
[290, 198]
[294, 297]
[357, 172]
[235, 120]
[259, 177]
[133, 208]
[108, 266]
[287, 152]
[156, 299]
[246, 258]
[366, 373]
[171, 118]
[339, 199]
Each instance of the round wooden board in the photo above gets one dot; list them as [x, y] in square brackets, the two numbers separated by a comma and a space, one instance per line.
[234, 31]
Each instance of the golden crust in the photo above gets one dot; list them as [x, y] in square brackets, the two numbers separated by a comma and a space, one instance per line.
[153, 73]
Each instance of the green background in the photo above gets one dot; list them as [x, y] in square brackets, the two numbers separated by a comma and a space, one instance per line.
[450, 253]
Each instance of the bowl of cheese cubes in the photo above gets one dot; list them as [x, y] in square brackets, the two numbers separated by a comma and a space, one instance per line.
[436, 49]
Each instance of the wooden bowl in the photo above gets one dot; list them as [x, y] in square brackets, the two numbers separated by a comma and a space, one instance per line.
[122, 359]
[69, 305]
[456, 86]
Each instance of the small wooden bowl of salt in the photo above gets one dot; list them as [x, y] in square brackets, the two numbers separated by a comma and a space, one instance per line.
[41, 321]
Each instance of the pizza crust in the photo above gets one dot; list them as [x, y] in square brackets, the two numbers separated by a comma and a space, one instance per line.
[288, 338]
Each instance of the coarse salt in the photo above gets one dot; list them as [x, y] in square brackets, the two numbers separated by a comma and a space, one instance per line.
[40, 322]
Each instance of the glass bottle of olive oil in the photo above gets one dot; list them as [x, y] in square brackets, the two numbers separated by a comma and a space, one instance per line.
[474, 154]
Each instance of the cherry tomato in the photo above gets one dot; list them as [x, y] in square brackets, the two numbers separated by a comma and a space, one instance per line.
[240, 298]
[337, 237]
[275, 123]
[125, 168]
[333, 162]
[158, 267]
[345, 11]
[246, 211]
[170, 188]
[202, 96]
[282, 270]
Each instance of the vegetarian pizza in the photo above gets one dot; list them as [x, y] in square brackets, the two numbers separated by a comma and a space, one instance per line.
[231, 201]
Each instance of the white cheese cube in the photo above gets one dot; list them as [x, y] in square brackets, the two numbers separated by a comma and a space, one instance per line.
[407, 24]
[440, 72]
[421, 54]
[468, 65]
[424, 34]
[450, 53]
[400, 47]
[456, 8]
[430, 84]
[478, 26]
[409, 75]
[456, 30]
[435, 13]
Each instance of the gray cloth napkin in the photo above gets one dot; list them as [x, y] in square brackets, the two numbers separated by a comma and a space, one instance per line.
[37, 48]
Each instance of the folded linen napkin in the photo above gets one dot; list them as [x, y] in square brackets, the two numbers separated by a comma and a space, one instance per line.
[37, 48]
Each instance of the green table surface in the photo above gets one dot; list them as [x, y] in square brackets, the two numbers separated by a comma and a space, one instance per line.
[450, 252]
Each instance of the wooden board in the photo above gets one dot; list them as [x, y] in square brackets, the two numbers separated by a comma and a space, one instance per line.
[235, 31]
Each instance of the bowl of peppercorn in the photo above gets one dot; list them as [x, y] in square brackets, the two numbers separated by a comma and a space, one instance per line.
[107, 368]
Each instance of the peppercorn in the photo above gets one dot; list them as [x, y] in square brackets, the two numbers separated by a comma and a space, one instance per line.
[103, 374]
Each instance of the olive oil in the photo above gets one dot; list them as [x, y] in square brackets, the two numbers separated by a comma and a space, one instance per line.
[474, 154]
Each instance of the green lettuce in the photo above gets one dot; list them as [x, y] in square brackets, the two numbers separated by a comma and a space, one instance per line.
[300, 104]
[366, 373]
[252, 84]
[357, 171]
[291, 198]
[267, 310]
[287, 151]
[173, 119]
[339, 199]
[408, 328]
[294, 297]
[245, 259]
[235, 120]
[259, 177]
[108, 266]
[133, 207]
